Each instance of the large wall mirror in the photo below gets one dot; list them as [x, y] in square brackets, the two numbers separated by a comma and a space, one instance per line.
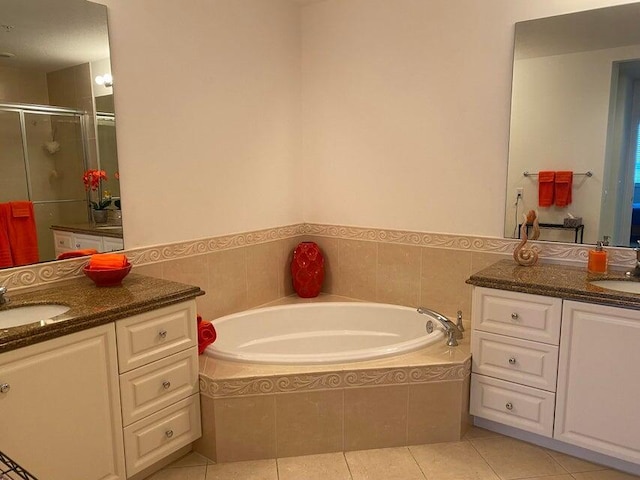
[576, 108]
[57, 129]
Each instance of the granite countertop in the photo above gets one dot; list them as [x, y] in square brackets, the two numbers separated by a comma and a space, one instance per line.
[102, 230]
[90, 306]
[553, 280]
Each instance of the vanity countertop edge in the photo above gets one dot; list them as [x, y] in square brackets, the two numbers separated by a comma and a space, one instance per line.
[91, 306]
[556, 280]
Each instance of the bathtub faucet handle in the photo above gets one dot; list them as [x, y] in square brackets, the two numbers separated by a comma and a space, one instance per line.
[459, 321]
[452, 331]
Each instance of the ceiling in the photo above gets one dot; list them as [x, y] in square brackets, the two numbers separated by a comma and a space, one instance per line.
[46, 36]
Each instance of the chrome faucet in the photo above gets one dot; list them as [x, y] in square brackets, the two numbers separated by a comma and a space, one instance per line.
[453, 332]
[636, 271]
[3, 300]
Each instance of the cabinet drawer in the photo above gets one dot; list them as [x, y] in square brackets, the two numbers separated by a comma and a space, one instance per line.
[162, 433]
[529, 363]
[521, 315]
[147, 389]
[153, 335]
[522, 407]
[63, 240]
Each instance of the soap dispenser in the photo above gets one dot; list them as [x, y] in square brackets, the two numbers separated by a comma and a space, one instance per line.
[597, 259]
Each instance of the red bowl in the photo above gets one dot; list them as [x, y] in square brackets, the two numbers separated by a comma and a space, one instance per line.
[107, 278]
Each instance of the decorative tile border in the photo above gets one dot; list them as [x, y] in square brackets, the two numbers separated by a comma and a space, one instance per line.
[295, 383]
[32, 275]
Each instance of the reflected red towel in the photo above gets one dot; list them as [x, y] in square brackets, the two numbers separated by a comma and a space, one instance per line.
[23, 237]
[108, 261]
[6, 260]
[21, 209]
[77, 253]
[545, 188]
[206, 334]
[564, 186]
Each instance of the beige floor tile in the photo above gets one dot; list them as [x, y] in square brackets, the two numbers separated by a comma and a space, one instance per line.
[326, 466]
[511, 458]
[192, 459]
[252, 470]
[184, 473]
[452, 461]
[573, 464]
[604, 475]
[383, 464]
[552, 477]
[477, 432]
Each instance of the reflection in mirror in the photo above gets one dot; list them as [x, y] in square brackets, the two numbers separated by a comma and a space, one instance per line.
[56, 123]
[575, 99]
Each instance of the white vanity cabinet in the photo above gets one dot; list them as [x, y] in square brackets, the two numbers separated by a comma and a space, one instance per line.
[68, 241]
[158, 361]
[60, 407]
[514, 346]
[599, 380]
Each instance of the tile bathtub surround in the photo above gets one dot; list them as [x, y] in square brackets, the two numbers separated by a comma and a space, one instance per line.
[459, 460]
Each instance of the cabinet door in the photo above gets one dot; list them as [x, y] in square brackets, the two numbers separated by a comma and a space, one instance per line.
[63, 241]
[598, 386]
[82, 242]
[61, 409]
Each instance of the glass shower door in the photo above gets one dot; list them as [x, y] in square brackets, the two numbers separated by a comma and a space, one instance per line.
[13, 180]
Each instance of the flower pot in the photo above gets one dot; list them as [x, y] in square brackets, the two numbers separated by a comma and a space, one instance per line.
[307, 269]
[100, 216]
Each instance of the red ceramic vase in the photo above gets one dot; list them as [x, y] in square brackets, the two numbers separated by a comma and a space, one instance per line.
[307, 269]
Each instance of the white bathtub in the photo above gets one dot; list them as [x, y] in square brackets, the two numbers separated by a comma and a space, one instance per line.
[317, 333]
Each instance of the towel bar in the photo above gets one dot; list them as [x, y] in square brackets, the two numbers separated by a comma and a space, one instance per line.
[588, 174]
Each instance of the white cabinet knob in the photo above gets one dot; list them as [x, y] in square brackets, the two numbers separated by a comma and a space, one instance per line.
[4, 387]
[509, 406]
[512, 361]
[166, 384]
[169, 433]
[162, 334]
[514, 316]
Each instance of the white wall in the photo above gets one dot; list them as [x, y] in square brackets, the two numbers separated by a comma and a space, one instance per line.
[406, 110]
[405, 113]
[207, 100]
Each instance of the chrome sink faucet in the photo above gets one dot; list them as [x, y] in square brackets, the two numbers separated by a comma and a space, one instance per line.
[3, 300]
[452, 331]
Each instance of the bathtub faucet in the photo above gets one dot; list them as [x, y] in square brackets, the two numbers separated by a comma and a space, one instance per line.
[3, 300]
[453, 332]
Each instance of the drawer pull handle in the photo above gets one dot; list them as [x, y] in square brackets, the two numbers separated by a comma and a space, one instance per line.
[514, 316]
[512, 361]
[509, 406]
[5, 387]
[162, 334]
[169, 433]
[166, 384]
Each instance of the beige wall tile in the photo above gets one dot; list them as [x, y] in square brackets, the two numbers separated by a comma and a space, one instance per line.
[245, 428]
[263, 267]
[254, 470]
[398, 274]
[308, 423]
[150, 269]
[383, 464]
[327, 466]
[477, 432]
[481, 260]
[511, 458]
[443, 277]
[452, 461]
[356, 275]
[227, 291]
[375, 417]
[206, 445]
[434, 412]
[466, 420]
[192, 271]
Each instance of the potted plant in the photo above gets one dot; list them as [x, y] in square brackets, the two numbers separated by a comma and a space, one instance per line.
[92, 180]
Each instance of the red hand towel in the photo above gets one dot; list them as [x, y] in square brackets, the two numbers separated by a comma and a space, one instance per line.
[564, 186]
[6, 259]
[22, 233]
[206, 334]
[545, 188]
[108, 261]
[77, 253]
[21, 209]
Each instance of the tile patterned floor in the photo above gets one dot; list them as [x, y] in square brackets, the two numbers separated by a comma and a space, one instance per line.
[482, 455]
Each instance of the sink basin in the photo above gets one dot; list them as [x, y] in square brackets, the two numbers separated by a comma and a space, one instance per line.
[618, 285]
[13, 317]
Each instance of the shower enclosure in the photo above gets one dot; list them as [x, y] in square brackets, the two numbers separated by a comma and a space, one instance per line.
[43, 155]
